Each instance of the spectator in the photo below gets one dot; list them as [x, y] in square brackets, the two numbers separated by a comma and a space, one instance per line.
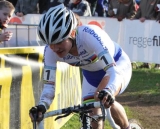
[57, 2]
[44, 5]
[6, 11]
[93, 5]
[121, 9]
[148, 10]
[138, 1]
[158, 12]
[105, 5]
[101, 8]
[24, 7]
[80, 7]
[14, 2]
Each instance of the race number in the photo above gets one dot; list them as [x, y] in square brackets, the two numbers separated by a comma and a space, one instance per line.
[107, 60]
[49, 74]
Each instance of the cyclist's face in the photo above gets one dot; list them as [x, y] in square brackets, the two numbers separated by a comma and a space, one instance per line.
[62, 48]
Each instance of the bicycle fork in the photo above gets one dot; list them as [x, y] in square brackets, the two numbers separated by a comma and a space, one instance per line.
[85, 120]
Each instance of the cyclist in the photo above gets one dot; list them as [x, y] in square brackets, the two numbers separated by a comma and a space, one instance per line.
[105, 66]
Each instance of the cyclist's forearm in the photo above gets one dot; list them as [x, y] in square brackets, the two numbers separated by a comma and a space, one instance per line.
[103, 83]
[47, 95]
[115, 79]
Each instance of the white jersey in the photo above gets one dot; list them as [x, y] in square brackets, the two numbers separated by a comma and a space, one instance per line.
[96, 54]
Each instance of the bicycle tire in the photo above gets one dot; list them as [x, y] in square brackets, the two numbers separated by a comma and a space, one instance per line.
[135, 124]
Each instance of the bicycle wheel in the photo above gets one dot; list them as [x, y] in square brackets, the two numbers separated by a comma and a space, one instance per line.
[135, 124]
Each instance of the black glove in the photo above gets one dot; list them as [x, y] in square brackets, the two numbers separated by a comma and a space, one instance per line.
[104, 93]
[37, 112]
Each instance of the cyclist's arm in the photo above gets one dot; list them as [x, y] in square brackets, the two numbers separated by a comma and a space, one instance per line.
[48, 92]
[98, 41]
[49, 76]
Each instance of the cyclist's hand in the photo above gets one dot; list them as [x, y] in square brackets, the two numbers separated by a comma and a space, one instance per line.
[106, 97]
[36, 113]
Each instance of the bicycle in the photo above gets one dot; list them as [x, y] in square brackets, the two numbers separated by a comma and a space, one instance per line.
[83, 110]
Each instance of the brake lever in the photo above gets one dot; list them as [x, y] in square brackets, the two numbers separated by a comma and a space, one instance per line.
[65, 115]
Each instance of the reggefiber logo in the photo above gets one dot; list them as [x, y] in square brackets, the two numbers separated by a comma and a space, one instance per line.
[144, 42]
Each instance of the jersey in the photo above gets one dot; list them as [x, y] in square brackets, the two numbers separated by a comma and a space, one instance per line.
[96, 54]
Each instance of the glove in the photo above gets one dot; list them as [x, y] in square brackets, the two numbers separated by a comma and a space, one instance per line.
[37, 113]
[106, 93]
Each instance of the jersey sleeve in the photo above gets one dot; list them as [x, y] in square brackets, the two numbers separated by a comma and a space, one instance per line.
[49, 75]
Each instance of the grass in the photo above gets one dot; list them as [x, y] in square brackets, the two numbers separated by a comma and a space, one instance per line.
[144, 85]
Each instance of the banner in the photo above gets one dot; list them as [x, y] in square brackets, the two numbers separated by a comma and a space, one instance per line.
[141, 41]
[21, 83]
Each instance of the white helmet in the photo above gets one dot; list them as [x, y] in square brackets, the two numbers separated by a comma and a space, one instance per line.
[56, 24]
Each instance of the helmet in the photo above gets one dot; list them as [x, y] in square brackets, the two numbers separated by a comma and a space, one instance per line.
[56, 24]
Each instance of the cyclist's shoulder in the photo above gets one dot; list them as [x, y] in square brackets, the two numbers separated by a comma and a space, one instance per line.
[87, 30]
[84, 28]
[48, 52]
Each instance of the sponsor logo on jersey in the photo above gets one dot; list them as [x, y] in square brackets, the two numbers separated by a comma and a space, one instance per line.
[95, 35]
[93, 58]
[68, 57]
[83, 52]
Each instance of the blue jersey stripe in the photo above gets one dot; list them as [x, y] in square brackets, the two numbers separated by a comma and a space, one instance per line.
[94, 77]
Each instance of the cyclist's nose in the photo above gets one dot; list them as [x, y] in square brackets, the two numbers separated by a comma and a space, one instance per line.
[54, 47]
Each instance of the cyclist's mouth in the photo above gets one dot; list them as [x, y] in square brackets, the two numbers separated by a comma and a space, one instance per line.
[60, 53]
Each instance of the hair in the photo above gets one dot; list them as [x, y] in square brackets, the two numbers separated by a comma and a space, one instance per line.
[6, 4]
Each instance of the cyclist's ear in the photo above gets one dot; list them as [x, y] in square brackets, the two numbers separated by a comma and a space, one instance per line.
[73, 33]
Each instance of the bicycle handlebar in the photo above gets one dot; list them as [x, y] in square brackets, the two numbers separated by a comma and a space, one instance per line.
[75, 109]
[80, 109]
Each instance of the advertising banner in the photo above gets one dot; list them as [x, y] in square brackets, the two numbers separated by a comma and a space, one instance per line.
[141, 41]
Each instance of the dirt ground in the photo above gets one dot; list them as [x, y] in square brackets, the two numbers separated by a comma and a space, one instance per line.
[145, 108]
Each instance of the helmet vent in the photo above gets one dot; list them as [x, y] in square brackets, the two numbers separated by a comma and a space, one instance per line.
[47, 28]
[68, 30]
[41, 35]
